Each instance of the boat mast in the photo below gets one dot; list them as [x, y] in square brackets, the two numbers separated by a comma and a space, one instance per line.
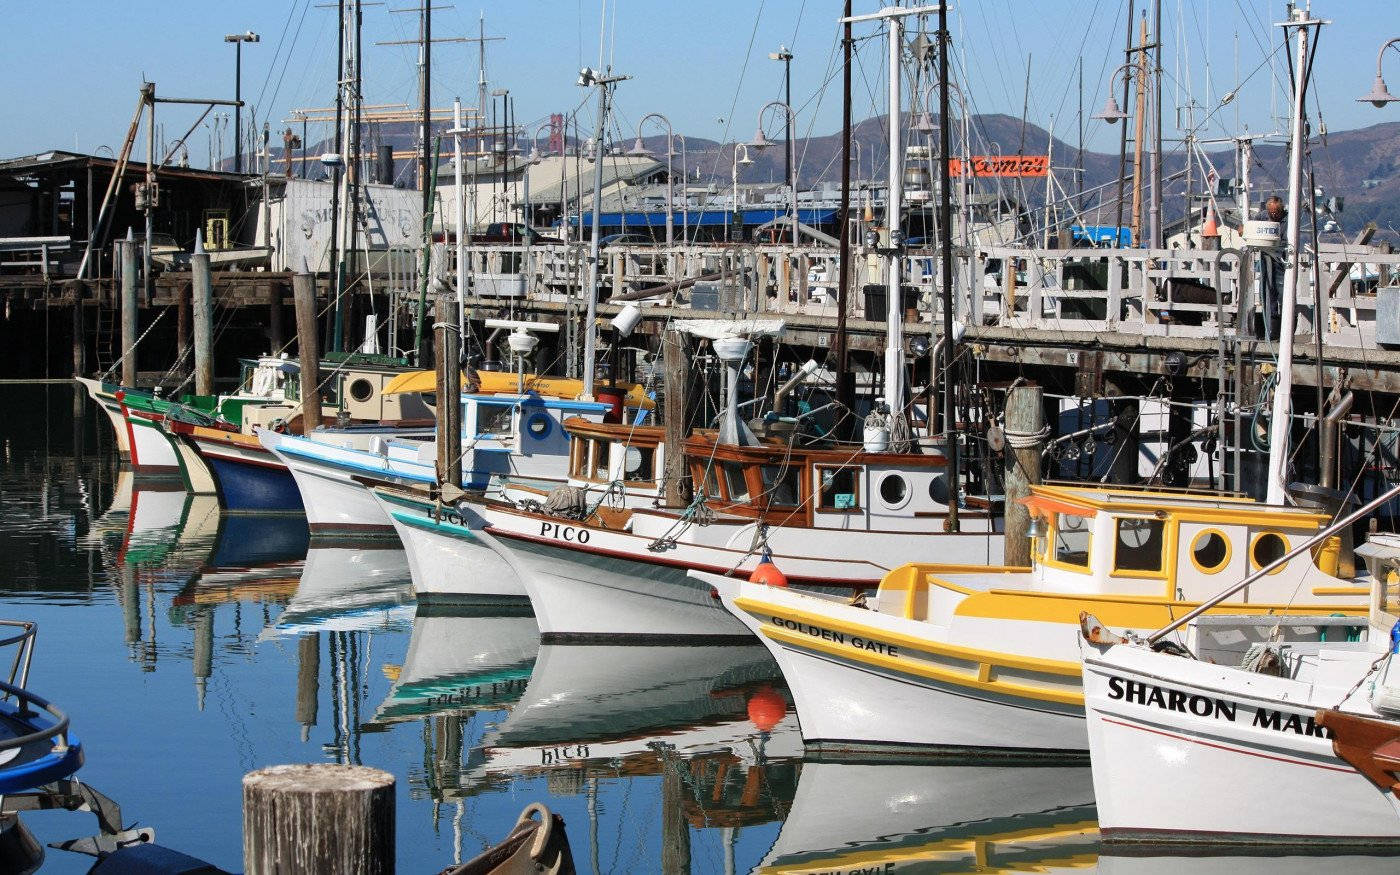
[945, 230]
[1281, 418]
[845, 383]
[334, 267]
[590, 328]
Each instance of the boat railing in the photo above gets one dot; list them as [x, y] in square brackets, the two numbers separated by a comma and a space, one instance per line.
[14, 689]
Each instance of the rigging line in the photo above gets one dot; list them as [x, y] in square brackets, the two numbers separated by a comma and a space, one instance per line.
[288, 60]
[272, 65]
[738, 87]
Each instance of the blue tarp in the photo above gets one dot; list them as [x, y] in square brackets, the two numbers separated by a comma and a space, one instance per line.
[1101, 234]
[696, 219]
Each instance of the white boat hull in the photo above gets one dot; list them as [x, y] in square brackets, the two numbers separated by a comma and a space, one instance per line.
[336, 504]
[152, 454]
[112, 408]
[447, 560]
[1189, 752]
[872, 689]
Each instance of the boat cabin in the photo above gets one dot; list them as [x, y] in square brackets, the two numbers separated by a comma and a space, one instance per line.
[845, 488]
[602, 454]
[1177, 545]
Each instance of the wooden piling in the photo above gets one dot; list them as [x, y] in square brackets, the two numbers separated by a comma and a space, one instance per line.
[675, 830]
[304, 299]
[129, 324]
[276, 333]
[203, 295]
[79, 338]
[1025, 420]
[675, 378]
[449, 407]
[318, 818]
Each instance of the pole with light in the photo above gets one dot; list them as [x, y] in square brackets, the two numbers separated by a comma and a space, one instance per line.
[761, 142]
[734, 218]
[603, 82]
[238, 39]
[782, 54]
[1380, 95]
[639, 150]
[1112, 114]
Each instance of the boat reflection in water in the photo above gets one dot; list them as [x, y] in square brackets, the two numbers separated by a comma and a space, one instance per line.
[462, 660]
[903, 816]
[348, 588]
[1208, 863]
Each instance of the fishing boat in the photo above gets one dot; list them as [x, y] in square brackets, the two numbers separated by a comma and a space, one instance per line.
[39, 755]
[104, 395]
[1291, 746]
[249, 478]
[612, 463]
[980, 658]
[912, 816]
[347, 588]
[512, 435]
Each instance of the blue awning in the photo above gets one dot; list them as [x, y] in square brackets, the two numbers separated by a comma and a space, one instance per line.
[697, 219]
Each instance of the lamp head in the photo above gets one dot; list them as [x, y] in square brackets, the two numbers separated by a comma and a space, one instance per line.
[923, 123]
[760, 141]
[1380, 95]
[639, 149]
[1110, 112]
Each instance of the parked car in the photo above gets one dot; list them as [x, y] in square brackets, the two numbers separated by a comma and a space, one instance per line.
[625, 240]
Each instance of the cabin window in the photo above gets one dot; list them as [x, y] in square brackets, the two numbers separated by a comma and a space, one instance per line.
[1071, 543]
[1267, 547]
[1137, 546]
[710, 479]
[361, 390]
[601, 460]
[578, 457]
[640, 464]
[839, 488]
[735, 483]
[780, 484]
[493, 419]
[1210, 551]
[538, 426]
[894, 489]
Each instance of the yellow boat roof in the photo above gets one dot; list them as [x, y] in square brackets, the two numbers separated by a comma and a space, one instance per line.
[502, 382]
[1093, 498]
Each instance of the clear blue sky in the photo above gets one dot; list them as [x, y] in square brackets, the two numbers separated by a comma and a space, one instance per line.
[73, 68]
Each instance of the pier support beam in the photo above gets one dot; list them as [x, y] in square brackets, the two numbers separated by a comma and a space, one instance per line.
[203, 653]
[304, 298]
[79, 333]
[675, 831]
[318, 818]
[129, 323]
[276, 332]
[449, 407]
[1025, 442]
[203, 294]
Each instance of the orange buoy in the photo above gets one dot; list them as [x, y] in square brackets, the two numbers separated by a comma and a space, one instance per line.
[766, 572]
[766, 707]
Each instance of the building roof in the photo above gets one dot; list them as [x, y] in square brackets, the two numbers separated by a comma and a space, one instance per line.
[59, 160]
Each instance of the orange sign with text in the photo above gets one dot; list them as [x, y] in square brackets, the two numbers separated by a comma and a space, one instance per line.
[1003, 165]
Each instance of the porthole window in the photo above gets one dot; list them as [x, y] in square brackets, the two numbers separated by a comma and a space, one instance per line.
[938, 489]
[1210, 551]
[361, 389]
[538, 426]
[1267, 547]
[893, 490]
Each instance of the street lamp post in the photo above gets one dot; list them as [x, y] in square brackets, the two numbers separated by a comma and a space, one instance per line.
[734, 180]
[640, 150]
[1113, 114]
[238, 39]
[685, 194]
[782, 54]
[760, 141]
[1380, 95]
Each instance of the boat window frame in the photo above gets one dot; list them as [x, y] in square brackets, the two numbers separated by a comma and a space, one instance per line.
[1051, 556]
[1163, 555]
[818, 486]
[601, 458]
[1195, 544]
[785, 470]
[1254, 540]
[648, 465]
[730, 471]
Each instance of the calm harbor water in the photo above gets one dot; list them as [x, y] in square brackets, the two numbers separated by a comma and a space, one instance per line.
[191, 647]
